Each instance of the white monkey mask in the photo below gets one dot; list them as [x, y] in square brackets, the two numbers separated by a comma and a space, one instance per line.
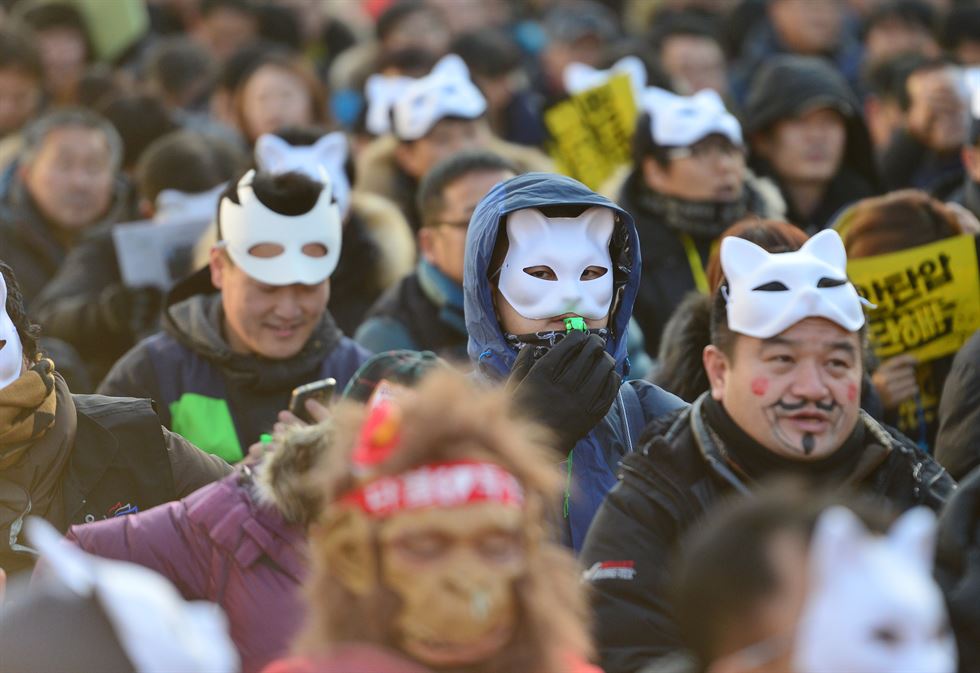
[275, 155]
[249, 223]
[568, 246]
[770, 292]
[872, 605]
[11, 350]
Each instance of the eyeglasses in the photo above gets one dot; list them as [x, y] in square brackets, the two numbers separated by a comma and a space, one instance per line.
[709, 148]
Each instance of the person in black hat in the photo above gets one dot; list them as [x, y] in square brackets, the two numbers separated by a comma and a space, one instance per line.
[806, 132]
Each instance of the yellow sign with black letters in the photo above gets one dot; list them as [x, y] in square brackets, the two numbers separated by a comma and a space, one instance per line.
[592, 131]
[927, 298]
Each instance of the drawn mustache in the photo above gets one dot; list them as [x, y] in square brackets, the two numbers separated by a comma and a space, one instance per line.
[796, 406]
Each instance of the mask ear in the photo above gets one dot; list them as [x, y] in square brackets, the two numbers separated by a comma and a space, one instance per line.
[331, 149]
[599, 226]
[913, 535]
[525, 227]
[828, 247]
[451, 66]
[271, 151]
[739, 257]
[345, 542]
[836, 543]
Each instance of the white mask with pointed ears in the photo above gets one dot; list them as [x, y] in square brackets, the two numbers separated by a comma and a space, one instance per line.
[447, 91]
[579, 77]
[568, 246]
[11, 350]
[275, 155]
[872, 605]
[250, 223]
[770, 292]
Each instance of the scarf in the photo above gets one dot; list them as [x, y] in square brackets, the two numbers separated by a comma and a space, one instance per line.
[445, 293]
[701, 219]
[37, 432]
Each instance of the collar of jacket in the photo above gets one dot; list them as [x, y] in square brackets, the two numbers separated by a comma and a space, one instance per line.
[879, 445]
[445, 293]
[702, 219]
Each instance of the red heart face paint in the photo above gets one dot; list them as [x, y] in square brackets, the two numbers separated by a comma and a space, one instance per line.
[760, 386]
[852, 392]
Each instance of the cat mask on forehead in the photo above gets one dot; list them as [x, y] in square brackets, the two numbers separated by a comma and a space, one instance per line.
[770, 292]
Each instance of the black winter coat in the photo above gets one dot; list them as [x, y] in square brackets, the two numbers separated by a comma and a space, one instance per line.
[663, 492]
[958, 440]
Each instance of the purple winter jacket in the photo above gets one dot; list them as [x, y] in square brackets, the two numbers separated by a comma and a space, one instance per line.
[221, 545]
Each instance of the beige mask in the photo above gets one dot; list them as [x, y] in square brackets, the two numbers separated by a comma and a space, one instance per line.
[454, 570]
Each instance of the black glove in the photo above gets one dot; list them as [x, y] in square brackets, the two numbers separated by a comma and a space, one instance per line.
[570, 389]
[131, 311]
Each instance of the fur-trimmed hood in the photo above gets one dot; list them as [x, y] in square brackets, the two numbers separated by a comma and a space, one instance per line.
[281, 477]
[680, 369]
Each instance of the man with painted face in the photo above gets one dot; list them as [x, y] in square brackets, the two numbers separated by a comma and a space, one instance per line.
[785, 367]
[550, 276]
[226, 362]
[432, 550]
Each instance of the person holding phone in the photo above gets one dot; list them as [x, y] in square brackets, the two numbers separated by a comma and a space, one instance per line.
[239, 335]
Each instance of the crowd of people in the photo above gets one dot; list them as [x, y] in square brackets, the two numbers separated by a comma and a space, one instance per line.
[316, 356]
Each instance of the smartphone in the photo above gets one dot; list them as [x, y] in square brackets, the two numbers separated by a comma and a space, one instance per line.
[321, 391]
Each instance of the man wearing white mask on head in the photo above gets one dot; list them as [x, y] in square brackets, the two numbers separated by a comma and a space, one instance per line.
[377, 248]
[239, 335]
[785, 366]
[430, 119]
[87, 304]
[688, 184]
[550, 274]
[74, 459]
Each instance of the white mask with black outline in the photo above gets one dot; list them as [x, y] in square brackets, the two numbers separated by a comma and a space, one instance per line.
[872, 603]
[770, 292]
[11, 350]
[250, 223]
[568, 246]
[275, 155]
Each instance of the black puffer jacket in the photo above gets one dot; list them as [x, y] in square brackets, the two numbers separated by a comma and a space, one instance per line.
[669, 486]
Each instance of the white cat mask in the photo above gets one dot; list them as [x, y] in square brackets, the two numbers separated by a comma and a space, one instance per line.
[579, 77]
[275, 155]
[681, 121]
[176, 206]
[250, 223]
[872, 605]
[11, 350]
[382, 91]
[157, 629]
[445, 92]
[770, 292]
[568, 246]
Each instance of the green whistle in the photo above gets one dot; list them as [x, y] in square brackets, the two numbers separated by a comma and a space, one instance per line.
[575, 324]
[265, 438]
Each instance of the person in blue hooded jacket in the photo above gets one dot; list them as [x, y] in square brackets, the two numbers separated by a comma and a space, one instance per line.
[550, 276]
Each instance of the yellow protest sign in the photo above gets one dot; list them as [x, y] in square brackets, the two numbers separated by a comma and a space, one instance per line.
[927, 298]
[592, 131]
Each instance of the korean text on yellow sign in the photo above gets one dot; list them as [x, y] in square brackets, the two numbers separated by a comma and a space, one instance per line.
[927, 298]
[592, 131]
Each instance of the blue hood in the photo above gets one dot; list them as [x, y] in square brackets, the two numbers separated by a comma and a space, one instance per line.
[487, 346]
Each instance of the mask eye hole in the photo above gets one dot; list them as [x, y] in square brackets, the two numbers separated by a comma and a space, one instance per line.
[831, 282]
[886, 636]
[266, 250]
[593, 272]
[774, 286]
[541, 272]
[315, 250]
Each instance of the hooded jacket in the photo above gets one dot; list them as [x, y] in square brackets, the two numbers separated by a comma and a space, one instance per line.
[672, 482]
[220, 400]
[239, 542]
[790, 85]
[594, 460]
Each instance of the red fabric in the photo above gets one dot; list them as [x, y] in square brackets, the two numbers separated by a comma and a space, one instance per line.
[218, 545]
[449, 484]
[348, 659]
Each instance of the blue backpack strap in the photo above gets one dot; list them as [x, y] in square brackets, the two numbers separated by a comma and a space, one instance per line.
[633, 415]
